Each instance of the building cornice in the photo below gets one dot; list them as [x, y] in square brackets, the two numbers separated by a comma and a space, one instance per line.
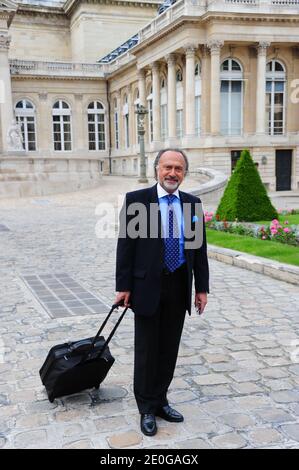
[70, 5]
[209, 18]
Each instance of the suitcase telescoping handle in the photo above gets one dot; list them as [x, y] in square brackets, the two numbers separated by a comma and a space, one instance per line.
[119, 304]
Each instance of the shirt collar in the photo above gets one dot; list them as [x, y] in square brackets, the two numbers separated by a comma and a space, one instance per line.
[161, 192]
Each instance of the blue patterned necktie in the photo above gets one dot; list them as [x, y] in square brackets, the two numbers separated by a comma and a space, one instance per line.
[172, 239]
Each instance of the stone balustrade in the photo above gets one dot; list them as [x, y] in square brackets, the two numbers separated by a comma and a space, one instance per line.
[63, 69]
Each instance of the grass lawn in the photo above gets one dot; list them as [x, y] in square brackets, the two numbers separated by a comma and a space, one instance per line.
[267, 249]
[293, 219]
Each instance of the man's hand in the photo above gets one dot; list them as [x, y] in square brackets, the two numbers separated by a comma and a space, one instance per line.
[123, 296]
[201, 300]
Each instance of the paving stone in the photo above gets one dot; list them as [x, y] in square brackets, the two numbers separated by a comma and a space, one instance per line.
[3, 440]
[30, 439]
[203, 426]
[80, 444]
[274, 373]
[237, 420]
[276, 384]
[229, 441]
[244, 376]
[285, 396]
[193, 444]
[291, 430]
[72, 430]
[110, 424]
[126, 439]
[265, 436]
[181, 396]
[212, 358]
[246, 388]
[32, 421]
[215, 390]
[274, 415]
[252, 402]
[294, 369]
[211, 379]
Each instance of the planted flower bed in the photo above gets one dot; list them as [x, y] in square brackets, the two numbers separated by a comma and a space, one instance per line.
[280, 231]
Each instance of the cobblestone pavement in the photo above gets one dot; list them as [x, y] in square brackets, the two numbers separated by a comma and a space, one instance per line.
[236, 381]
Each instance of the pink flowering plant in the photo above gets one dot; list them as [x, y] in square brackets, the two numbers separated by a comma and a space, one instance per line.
[281, 232]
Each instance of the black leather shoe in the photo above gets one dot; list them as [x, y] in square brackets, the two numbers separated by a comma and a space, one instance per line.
[148, 424]
[169, 414]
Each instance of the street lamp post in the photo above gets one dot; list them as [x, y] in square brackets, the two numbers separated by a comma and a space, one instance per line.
[141, 112]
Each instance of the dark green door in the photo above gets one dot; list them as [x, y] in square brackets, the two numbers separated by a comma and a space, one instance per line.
[283, 169]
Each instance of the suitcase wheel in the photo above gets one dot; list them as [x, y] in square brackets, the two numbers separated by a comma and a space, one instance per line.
[97, 386]
[51, 399]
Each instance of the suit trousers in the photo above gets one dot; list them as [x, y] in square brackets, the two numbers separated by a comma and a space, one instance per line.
[157, 339]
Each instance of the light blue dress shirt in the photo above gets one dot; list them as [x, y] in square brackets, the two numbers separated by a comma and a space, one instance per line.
[163, 205]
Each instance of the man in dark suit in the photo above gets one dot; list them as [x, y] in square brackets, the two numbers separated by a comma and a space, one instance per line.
[158, 252]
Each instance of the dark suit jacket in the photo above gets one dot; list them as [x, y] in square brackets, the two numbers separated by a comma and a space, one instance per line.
[139, 261]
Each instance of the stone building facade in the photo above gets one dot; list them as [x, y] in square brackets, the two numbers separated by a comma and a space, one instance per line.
[216, 76]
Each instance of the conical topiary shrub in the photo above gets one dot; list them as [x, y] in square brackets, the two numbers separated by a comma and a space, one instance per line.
[245, 197]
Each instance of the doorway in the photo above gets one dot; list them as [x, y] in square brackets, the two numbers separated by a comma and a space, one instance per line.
[283, 169]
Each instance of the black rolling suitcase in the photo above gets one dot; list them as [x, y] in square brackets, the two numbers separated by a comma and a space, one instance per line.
[75, 366]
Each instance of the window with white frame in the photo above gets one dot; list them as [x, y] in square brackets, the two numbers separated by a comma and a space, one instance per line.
[25, 117]
[116, 126]
[179, 104]
[96, 126]
[197, 73]
[62, 135]
[150, 115]
[126, 121]
[275, 97]
[231, 89]
[163, 110]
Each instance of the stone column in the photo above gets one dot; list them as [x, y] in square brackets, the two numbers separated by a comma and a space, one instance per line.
[261, 86]
[171, 96]
[205, 88]
[6, 106]
[215, 47]
[79, 126]
[141, 86]
[120, 121]
[190, 91]
[44, 125]
[156, 102]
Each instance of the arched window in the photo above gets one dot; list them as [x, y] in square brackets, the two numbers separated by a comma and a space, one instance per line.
[179, 104]
[116, 126]
[126, 121]
[231, 77]
[96, 126]
[25, 116]
[197, 71]
[275, 97]
[150, 114]
[62, 135]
